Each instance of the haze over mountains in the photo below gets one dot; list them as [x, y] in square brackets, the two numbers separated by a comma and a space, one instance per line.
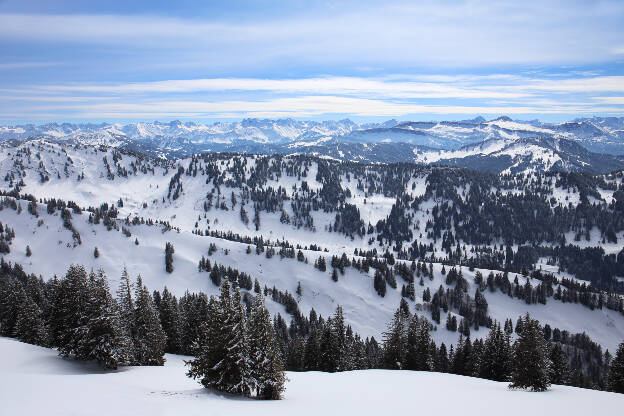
[591, 144]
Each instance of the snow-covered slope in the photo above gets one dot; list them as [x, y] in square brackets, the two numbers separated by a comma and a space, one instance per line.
[90, 176]
[514, 155]
[34, 380]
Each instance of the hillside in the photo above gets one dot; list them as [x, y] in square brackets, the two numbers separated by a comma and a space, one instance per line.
[365, 211]
[34, 377]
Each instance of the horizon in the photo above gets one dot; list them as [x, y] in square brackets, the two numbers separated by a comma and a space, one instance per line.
[212, 122]
[86, 63]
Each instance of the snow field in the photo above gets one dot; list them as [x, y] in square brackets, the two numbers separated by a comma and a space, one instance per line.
[34, 380]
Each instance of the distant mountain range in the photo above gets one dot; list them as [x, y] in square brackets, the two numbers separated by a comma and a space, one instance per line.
[590, 144]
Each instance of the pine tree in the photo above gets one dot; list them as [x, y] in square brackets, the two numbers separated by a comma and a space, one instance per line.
[443, 360]
[209, 347]
[126, 303]
[170, 321]
[615, 380]
[69, 306]
[339, 356]
[149, 339]
[267, 375]
[496, 357]
[418, 343]
[30, 326]
[103, 337]
[12, 295]
[169, 250]
[221, 351]
[327, 346]
[559, 370]
[530, 358]
[311, 355]
[236, 364]
[395, 341]
[379, 283]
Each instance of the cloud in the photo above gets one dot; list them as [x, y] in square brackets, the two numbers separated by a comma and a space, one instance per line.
[388, 96]
[423, 34]
[328, 85]
[307, 106]
[611, 100]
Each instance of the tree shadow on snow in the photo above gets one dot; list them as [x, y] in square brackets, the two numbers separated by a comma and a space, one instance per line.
[57, 365]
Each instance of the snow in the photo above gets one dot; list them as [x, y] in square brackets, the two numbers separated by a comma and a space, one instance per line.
[53, 250]
[514, 125]
[34, 380]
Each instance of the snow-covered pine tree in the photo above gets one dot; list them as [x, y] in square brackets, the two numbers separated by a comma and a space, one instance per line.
[615, 380]
[12, 295]
[30, 326]
[395, 341]
[125, 301]
[221, 355]
[339, 341]
[236, 364]
[209, 347]
[149, 338]
[68, 310]
[531, 363]
[103, 337]
[266, 373]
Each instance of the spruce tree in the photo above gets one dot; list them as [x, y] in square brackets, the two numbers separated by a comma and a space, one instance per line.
[149, 338]
[69, 309]
[170, 321]
[12, 295]
[209, 347]
[311, 354]
[531, 363]
[395, 341]
[559, 370]
[125, 301]
[418, 345]
[339, 355]
[615, 380]
[236, 365]
[169, 250]
[103, 337]
[221, 352]
[496, 357]
[327, 345]
[30, 326]
[266, 373]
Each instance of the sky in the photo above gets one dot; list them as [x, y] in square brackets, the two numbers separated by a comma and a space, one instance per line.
[206, 61]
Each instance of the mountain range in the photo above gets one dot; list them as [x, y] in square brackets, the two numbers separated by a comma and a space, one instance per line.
[590, 144]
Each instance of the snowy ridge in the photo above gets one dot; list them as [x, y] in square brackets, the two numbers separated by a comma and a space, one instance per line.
[602, 135]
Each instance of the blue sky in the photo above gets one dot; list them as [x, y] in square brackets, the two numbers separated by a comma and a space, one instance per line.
[124, 61]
